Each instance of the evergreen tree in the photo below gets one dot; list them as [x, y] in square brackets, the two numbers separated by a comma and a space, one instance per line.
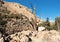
[47, 22]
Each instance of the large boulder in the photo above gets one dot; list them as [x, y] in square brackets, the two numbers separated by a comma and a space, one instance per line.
[40, 36]
[14, 22]
[16, 25]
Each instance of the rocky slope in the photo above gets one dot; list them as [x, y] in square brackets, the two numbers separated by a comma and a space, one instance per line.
[19, 9]
[34, 36]
[11, 20]
[15, 25]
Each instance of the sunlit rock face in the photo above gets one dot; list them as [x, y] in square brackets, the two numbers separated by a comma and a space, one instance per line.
[17, 25]
[36, 36]
[19, 9]
[20, 28]
[15, 16]
[14, 19]
[10, 14]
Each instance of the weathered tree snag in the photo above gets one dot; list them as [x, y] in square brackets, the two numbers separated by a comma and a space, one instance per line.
[35, 21]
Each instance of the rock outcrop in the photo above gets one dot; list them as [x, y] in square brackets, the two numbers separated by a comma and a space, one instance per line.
[15, 26]
[12, 22]
[19, 9]
[43, 36]
[35, 36]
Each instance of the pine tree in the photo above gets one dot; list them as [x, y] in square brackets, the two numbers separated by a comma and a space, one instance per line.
[47, 22]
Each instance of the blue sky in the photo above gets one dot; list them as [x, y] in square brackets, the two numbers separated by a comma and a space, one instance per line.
[44, 8]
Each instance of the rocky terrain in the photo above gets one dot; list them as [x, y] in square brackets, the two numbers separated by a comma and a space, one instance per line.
[16, 25]
[33, 36]
[11, 22]
[19, 9]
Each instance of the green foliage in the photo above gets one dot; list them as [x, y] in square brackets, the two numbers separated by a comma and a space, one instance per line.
[40, 25]
[47, 25]
[47, 22]
[53, 27]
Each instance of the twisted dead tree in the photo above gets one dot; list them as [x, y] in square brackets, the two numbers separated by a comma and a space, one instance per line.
[34, 21]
